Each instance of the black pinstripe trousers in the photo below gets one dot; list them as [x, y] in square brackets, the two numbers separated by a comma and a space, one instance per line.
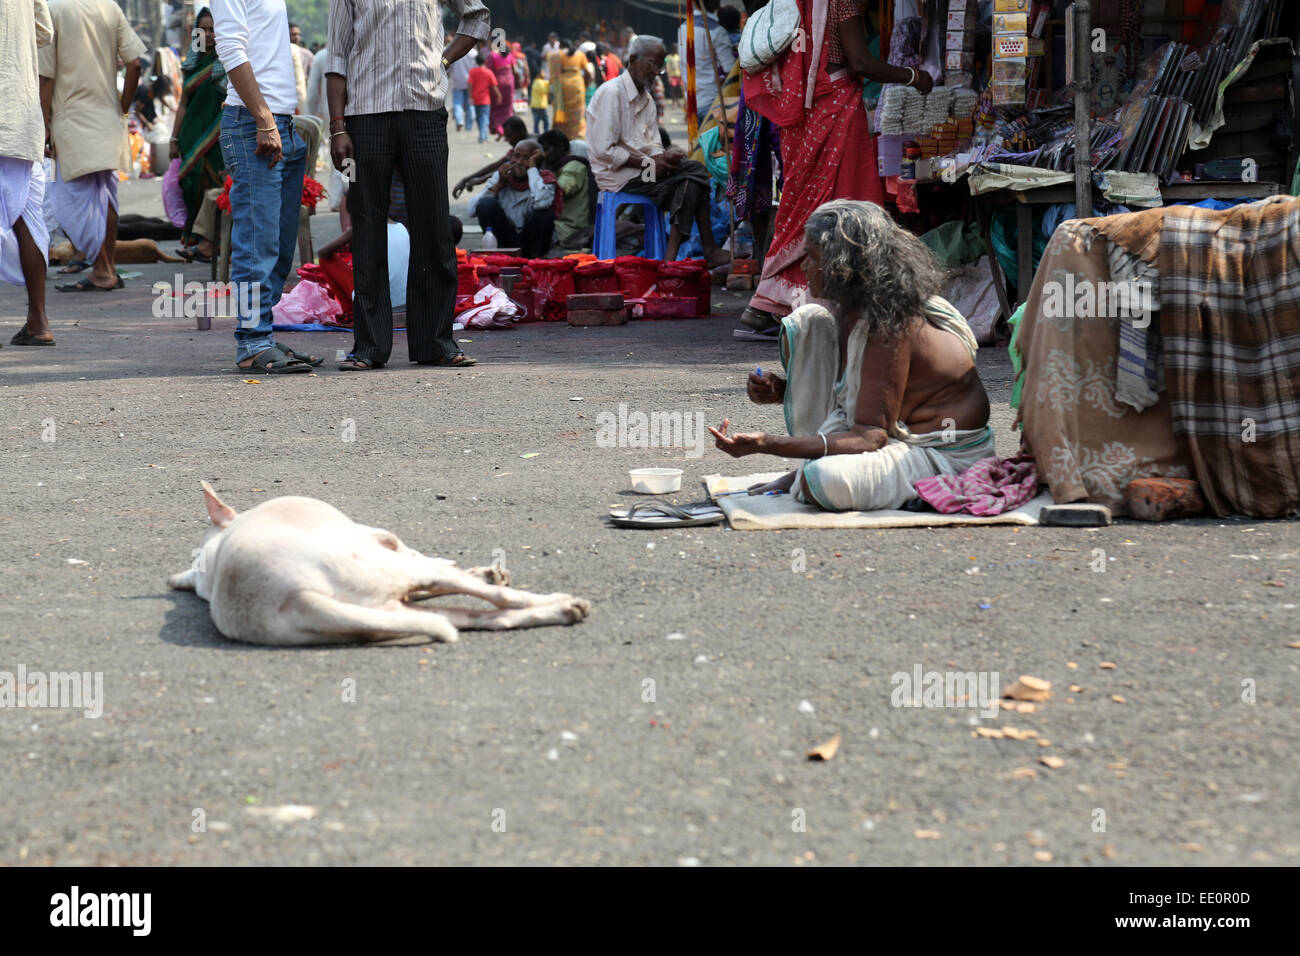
[415, 141]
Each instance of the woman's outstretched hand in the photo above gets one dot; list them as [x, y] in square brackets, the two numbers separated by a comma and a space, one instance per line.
[765, 389]
[738, 446]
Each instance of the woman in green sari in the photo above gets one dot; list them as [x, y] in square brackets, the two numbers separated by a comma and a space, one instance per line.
[197, 126]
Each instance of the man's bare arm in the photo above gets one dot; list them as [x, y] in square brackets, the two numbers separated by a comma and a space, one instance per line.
[47, 102]
[245, 83]
[128, 88]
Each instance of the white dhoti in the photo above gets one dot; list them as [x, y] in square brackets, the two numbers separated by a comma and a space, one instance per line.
[80, 207]
[22, 196]
[816, 403]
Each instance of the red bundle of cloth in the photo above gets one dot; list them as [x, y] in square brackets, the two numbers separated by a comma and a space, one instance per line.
[335, 272]
[500, 260]
[687, 279]
[487, 273]
[552, 281]
[596, 276]
[635, 275]
[466, 278]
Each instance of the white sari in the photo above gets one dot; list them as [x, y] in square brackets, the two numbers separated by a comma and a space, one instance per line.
[816, 403]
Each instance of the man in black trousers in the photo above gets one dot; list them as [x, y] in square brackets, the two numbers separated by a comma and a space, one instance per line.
[387, 84]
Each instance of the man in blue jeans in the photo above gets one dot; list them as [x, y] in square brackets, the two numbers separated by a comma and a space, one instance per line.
[265, 158]
[462, 109]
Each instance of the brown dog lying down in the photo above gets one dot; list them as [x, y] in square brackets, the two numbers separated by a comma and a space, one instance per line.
[298, 571]
[125, 252]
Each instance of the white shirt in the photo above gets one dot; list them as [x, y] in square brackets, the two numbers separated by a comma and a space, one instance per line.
[518, 203]
[706, 83]
[257, 32]
[87, 126]
[22, 128]
[622, 124]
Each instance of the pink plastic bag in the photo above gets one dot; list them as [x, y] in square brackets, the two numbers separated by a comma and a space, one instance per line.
[308, 303]
[173, 198]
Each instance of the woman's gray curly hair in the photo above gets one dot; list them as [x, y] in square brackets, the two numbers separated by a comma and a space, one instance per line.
[871, 266]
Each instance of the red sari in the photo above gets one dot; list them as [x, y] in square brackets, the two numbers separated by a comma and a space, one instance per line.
[827, 150]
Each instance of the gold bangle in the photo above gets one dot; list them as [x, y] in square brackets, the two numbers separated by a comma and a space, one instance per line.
[267, 130]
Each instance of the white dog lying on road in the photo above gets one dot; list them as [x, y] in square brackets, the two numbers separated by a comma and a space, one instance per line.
[299, 571]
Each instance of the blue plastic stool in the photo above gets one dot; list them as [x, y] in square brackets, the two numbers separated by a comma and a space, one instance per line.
[656, 229]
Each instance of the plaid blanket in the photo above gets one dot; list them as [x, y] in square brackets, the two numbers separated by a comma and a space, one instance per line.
[1230, 329]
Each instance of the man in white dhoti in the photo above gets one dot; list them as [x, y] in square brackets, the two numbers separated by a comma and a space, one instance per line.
[88, 127]
[881, 392]
[24, 240]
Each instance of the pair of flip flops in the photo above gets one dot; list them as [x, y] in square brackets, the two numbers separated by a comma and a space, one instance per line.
[23, 337]
[192, 255]
[85, 285]
[279, 360]
[656, 513]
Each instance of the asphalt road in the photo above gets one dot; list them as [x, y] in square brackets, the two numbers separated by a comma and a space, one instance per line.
[542, 746]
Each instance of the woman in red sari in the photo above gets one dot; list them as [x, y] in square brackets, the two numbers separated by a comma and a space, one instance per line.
[813, 92]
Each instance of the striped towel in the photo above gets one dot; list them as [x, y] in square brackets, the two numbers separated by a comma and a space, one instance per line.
[1139, 376]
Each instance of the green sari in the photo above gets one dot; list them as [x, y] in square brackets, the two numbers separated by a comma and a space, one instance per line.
[202, 165]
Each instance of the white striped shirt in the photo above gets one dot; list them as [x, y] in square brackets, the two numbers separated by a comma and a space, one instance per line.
[391, 52]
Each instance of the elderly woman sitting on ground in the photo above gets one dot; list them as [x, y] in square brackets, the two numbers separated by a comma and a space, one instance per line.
[883, 391]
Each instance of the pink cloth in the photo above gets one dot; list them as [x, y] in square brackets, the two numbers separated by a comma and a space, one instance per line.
[991, 486]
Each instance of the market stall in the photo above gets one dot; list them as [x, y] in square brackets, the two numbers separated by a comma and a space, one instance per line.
[1178, 100]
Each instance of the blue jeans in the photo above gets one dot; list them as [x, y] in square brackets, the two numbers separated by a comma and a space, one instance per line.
[264, 204]
[481, 116]
[541, 121]
[460, 108]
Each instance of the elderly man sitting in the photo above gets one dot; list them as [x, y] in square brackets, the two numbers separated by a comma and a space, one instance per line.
[517, 202]
[628, 156]
[881, 392]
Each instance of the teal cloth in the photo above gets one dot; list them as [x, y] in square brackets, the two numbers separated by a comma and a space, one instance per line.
[1017, 359]
[1003, 234]
[716, 165]
[955, 243]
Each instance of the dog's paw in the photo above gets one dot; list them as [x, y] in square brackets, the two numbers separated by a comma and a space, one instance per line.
[576, 609]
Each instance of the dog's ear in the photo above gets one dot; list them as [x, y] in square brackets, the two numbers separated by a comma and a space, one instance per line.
[220, 512]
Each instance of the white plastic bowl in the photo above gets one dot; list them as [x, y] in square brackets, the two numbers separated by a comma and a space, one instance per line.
[656, 481]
